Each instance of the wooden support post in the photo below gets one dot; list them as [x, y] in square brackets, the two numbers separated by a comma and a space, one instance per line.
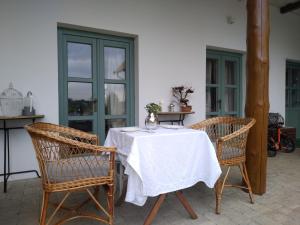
[257, 93]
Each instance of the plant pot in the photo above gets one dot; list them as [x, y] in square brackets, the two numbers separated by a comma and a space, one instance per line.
[151, 121]
[187, 108]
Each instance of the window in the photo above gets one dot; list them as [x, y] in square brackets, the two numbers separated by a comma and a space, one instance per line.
[223, 82]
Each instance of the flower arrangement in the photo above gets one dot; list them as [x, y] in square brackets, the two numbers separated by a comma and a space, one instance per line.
[153, 108]
[181, 93]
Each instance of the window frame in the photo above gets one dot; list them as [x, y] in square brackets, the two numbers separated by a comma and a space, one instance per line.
[221, 57]
[98, 42]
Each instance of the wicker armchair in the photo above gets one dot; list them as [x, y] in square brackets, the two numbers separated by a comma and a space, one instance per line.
[229, 134]
[70, 161]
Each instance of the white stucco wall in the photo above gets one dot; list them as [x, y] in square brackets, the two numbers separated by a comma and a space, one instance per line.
[172, 39]
[284, 45]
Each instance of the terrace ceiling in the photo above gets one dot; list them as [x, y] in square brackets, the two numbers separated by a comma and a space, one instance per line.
[283, 5]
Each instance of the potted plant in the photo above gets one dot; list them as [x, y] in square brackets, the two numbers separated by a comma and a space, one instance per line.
[151, 120]
[153, 108]
[181, 93]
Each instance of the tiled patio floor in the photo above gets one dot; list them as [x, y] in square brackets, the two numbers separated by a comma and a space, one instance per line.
[280, 205]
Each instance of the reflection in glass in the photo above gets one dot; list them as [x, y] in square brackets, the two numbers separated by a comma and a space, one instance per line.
[84, 125]
[232, 114]
[80, 99]
[211, 99]
[114, 123]
[230, 100]
[230, 72]
[288, 77]
[114, 99]
[79, 60]
[295, 98]
[212, 71]
[114, 63]
[210, 116]
[296, 78]
[287, 96]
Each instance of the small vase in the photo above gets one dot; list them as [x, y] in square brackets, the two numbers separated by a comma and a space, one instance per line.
[151, 121]
[186, 108]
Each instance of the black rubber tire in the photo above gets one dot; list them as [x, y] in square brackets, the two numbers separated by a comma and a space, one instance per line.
[271, 148]
[272, 153]
[287, 144]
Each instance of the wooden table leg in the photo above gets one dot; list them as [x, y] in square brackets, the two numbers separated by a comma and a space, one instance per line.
[186, 204]
[155, 209]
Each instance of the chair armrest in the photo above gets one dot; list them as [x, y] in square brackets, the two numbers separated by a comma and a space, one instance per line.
[68, 132]
[83, 136]
[237, 140]
[86, 146]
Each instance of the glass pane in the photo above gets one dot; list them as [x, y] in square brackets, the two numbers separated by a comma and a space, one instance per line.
[295, 98]
[211, 99]
[115, 99]
[230, 100]
[232, 114]
[287, 97]
[114, 123]
[288, 77]
[80, 99]
[114, 63]
[210, 116]
[296, 78]
[230, 76]
[212, 71]
[84, 125]
[79, 60]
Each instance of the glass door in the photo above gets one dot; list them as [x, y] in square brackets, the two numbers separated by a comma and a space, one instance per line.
[292, 97]
[223, 84]
[116, 81]
[213, 86]
[231, 86]
[80, 84]
[96, 81]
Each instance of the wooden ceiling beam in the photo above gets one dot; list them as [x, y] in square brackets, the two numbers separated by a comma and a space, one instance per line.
[290, 7]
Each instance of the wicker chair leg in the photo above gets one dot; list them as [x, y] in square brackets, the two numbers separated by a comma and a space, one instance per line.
[220, 187]
[44, 208]
[247, 181]
[96, 194]
[111, 202]
[218, 195]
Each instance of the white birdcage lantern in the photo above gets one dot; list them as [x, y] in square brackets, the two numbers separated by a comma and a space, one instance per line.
[11, 102]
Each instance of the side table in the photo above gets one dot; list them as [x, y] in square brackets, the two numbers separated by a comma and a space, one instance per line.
[179, 117]
[6, 171]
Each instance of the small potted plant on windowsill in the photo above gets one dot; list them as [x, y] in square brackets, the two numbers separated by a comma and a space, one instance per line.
[181, 93]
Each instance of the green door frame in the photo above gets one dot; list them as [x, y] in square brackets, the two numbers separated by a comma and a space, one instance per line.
[98, 42]
[221, 57]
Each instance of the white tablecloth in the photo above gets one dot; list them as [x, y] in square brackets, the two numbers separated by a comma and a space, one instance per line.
[164, 161]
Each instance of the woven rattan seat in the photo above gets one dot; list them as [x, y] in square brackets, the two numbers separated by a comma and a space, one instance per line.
[75, 169]
[229, 135]
[70, 160]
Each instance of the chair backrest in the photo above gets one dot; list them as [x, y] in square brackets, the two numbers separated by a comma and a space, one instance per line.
[65, 154]
[217, 127]
[228, 133]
